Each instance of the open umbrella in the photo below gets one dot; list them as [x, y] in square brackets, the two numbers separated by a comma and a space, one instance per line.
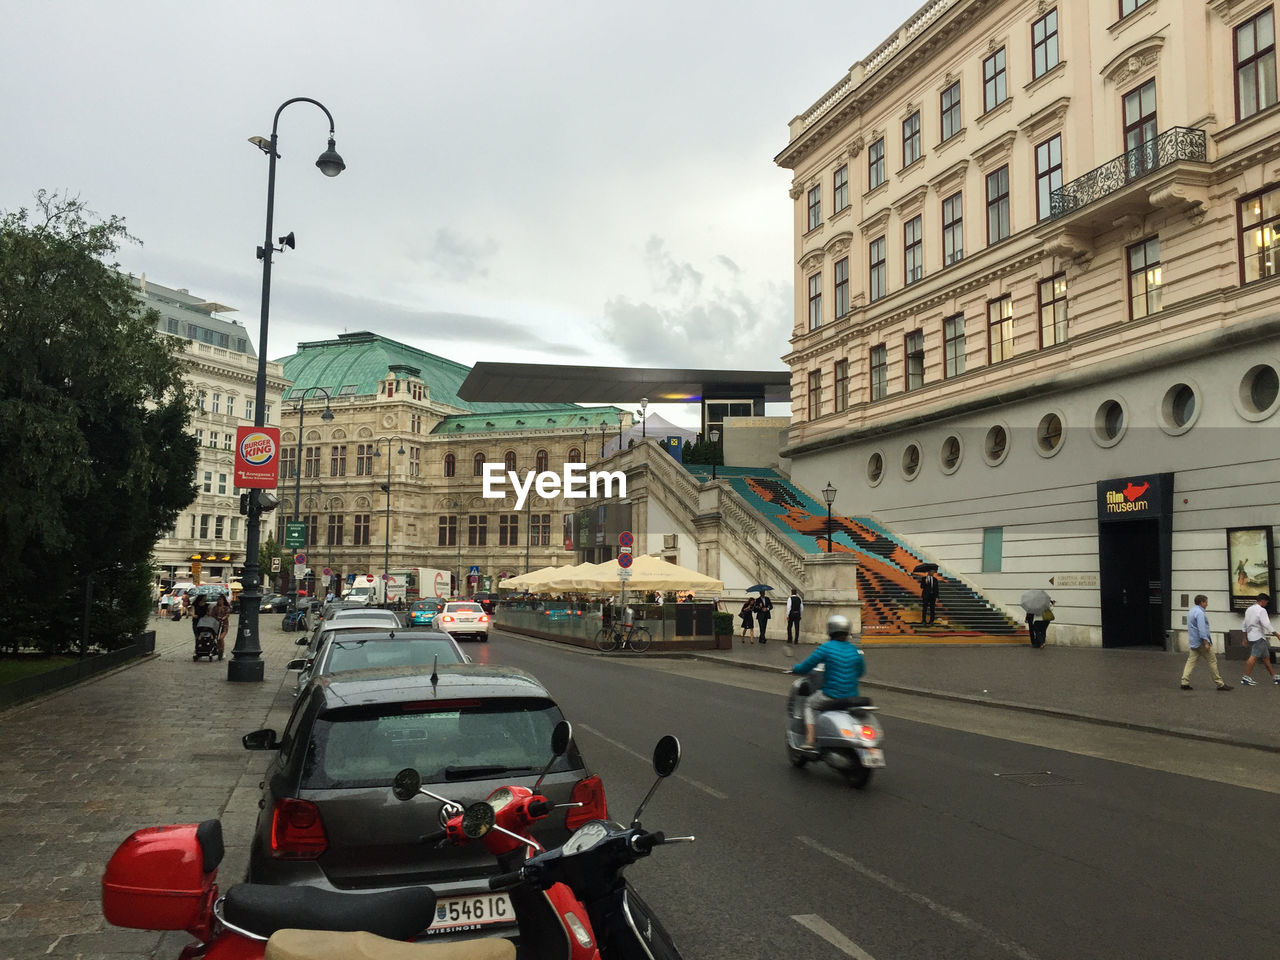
[925, 568]
[759, 588]
[1035, 602]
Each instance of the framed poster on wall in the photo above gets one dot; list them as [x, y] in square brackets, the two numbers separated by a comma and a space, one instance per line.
[1249, 553]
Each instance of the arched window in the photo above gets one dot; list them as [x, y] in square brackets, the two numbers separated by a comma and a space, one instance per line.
[510, 461]
[542, 461]
[477, 465]
[575, 455]
[450, 465]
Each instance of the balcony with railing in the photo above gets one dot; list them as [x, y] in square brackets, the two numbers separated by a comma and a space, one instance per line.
[1175, 144]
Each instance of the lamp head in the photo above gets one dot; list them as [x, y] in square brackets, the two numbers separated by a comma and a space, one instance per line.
[829, 493]
[327, 415]
[330, 163]
[715, 436]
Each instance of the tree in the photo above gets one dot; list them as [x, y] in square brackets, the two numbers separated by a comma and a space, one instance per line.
[93, 421]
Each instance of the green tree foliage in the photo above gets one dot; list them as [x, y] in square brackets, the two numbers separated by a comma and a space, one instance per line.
[266, 553]
[98, 460]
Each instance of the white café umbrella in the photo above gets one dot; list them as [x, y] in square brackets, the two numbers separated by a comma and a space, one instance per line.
[653, 573]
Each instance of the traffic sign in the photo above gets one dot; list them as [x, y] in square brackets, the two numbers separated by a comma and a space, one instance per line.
[624, 560]
[300, 559]
[624, 574]
[473, 572]
[295, 534]
[625, 539]
[328, 572]
[622, 550]
[275, 564]
[369, 577]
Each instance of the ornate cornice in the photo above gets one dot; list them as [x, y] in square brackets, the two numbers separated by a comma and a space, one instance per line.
[952, 176]
[1136, 59]
[874, 225]
[997, 151]
[1045, 119]
[839, 244]
[907, 205]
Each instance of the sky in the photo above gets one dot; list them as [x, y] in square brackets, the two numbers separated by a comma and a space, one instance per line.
[549, 182]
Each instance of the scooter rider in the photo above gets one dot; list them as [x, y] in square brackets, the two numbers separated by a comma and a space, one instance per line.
[844, 665]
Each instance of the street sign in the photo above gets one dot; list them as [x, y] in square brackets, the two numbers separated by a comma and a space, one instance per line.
[624, 561]
[295, 534]
[625, 539]
[300, 559]
[369, 577]
[328, 572]
[473, 572]
[624, 575]
[275, 564]
[622, 550]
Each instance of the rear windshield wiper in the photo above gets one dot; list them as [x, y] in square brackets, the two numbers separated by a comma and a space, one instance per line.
[482, 769]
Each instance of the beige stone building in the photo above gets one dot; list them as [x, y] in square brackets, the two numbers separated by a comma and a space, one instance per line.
[1035, 271]
[394, 478]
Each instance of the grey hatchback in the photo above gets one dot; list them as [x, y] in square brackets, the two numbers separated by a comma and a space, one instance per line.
[328, 817]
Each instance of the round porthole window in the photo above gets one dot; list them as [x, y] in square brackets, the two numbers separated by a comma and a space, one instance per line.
[1179, 409]
[996, 446]
[875, 468]
[911, 461]
[949, 456]
[1259, 394]
[1109, 423]
[1049, 434]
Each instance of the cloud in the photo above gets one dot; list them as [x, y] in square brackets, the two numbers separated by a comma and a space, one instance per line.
[456, 258]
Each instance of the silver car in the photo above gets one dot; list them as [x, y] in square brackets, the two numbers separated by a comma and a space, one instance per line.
[369, 649]
[327, 629]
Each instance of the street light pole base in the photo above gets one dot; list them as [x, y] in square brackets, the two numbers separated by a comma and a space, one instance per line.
[246, 670]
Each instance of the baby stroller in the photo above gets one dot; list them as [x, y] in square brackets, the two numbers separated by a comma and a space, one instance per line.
[207, 638]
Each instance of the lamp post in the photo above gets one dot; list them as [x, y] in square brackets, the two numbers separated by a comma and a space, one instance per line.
[453, 504]
[715, 438]
[301, 407]
[644, 405]
[386, 550]
[584, 446]
[528, 531]
[246, 663]
[621, 416]
[829, 495]
[602, 430]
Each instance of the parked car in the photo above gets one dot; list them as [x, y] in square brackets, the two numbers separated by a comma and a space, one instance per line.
[464, 619]
[365, 649]
[328, 817]
[328, 629]
[423, 612]
[274, 603]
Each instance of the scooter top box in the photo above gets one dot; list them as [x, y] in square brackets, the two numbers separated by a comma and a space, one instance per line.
[161, 878]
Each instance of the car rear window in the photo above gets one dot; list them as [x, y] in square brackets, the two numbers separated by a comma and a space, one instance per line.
[401, 652]
[446, 742]
[467, 607]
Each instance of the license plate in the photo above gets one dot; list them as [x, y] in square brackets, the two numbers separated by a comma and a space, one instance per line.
[871, 757]
[471, 913]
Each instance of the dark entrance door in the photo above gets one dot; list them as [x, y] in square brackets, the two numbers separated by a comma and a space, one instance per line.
[1132, 594]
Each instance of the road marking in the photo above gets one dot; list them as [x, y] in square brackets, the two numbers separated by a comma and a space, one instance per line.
[833, 936]
[649, 760]
[955, 916]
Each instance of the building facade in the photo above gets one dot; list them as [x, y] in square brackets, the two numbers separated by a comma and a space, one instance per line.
[1036, 271]
[394, 477]
[207, 542]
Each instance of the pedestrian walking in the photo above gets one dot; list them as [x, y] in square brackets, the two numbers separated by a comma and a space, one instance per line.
[795, 610]
[748, 622]
[222, 613]
[764, 610]
[1200, 644]
[1257, 628]
[928, 598]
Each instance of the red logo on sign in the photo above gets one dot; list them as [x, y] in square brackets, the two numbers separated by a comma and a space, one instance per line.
[256, 454]
[1132, 493]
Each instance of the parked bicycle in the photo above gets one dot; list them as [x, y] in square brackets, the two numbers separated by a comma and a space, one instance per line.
[617, 634]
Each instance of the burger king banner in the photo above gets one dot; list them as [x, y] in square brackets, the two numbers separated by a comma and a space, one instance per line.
[257, 457]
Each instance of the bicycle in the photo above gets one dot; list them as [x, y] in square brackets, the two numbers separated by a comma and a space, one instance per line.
[609, 638]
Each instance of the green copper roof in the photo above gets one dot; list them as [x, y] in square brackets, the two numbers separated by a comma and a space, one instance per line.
[356, 364]
[533, 417]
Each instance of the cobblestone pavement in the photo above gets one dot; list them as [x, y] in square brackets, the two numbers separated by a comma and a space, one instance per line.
[154, 742]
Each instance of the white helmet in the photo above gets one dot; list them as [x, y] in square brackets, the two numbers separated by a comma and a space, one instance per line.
[838, 625]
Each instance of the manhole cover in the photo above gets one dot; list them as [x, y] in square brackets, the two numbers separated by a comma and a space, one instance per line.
[1042, 779]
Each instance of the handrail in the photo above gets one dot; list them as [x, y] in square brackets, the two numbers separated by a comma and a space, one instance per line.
[1176, 143]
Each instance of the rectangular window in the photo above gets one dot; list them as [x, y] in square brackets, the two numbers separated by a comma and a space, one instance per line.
[415, 461]
[1144, 278]
[911, 139]
[1000, 329]
[226, 441]
[1128, 6]
[815, 207]
[1053, 310]
[360, 530]
[1255, 64]
[539, 529]
[335, 530]
[1048, 174]
[876, 286]
[994, 92]
[1259, 236]
[248, 408]
[913, 355]
[364, 460]
[1044, 44]
[338, 460]
[448, 533]
[842, 287]
[219, 527]
[879, 372]
[509, 530]
[217, 403]
[952, 229]
[815, 301]
[913, 250]
[875, 164]
[1140, 130]
[815, 394]
[840, 188]
[993, 549]
[199, 438]
[311, 462]
[950, 105]
[204, 526]
[231, 406]
[477, 531]
[997, 205]
[842, 385]
[953, 346]
[222, 484]
[235, 528]
[288, 463]
[312, 523]
[208, 481]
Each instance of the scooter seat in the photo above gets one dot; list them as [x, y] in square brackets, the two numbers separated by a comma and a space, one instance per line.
[395, 914]
[845, 703]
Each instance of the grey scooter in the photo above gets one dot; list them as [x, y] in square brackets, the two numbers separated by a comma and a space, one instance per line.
[847, 735]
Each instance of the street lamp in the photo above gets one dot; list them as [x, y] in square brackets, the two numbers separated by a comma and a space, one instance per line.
[246, 657]
[602, 430]
[715, 438]
[621, 416]
[301, 407]
[584, 446]
[644, 405]
[829, 495]
[386, 550]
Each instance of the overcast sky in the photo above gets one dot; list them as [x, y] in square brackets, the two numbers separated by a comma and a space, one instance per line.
[573, 182]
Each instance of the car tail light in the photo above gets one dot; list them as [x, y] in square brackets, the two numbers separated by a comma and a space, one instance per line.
[590, 793]
[484, 618]
[447, 617]
[297, 832]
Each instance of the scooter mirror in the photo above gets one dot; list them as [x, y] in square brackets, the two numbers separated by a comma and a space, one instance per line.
[405, 785]
[666, 756]
[300, 642]
[478, 820]
[560, 738]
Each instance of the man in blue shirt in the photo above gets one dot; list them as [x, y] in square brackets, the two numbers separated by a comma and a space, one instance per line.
[844, 665]
[1200, 644]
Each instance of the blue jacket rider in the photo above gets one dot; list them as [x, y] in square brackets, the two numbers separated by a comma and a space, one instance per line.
[844, 665]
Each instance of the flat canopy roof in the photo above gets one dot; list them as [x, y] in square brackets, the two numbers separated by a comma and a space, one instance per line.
[550, 382]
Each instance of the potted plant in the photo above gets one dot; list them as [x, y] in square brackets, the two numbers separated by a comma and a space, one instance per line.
[722, 626]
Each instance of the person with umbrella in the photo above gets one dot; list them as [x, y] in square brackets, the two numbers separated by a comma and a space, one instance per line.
[928, 592]
[763, 608]
[1037, 604]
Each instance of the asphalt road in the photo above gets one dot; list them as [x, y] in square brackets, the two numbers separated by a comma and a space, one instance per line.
[1033, 838]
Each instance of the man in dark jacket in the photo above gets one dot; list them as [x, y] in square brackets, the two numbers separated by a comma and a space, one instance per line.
[795, 609]
[928, 598]
[844, 665]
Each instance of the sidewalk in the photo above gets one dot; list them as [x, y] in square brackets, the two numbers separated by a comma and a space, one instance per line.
[1135, 688]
